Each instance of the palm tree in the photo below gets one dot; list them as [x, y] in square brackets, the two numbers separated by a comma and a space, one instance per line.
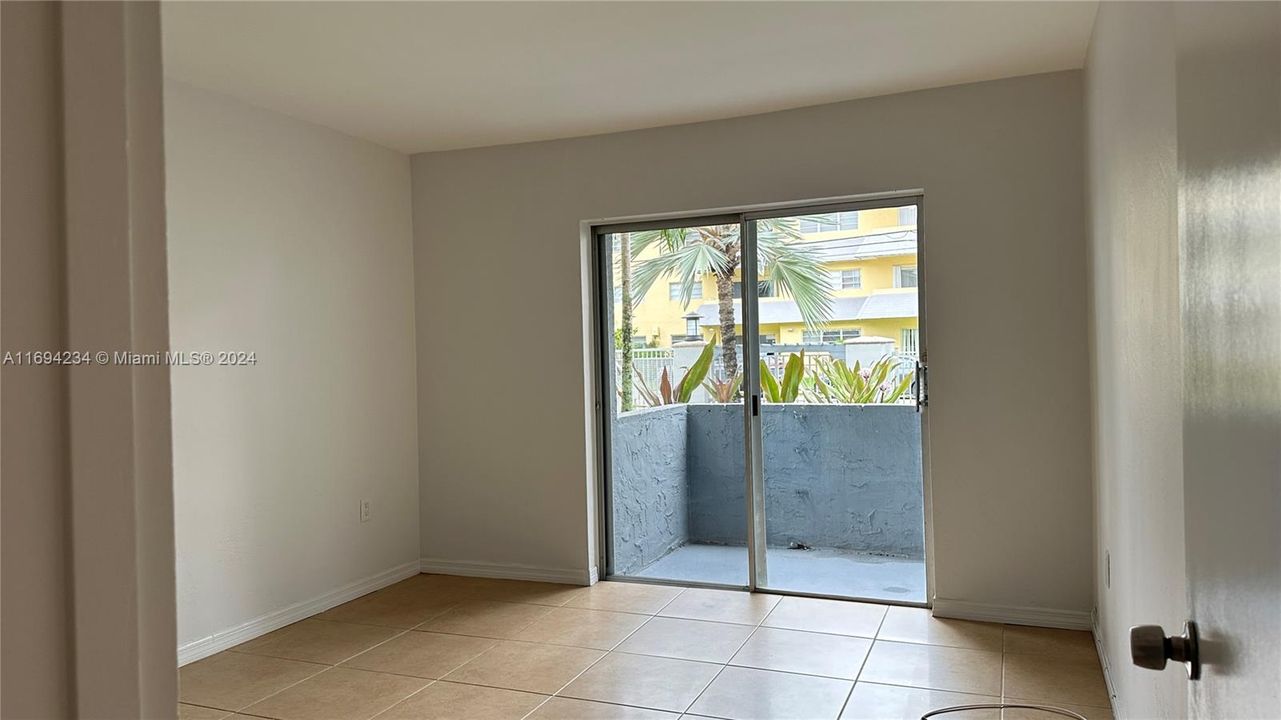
[688, 253]
[625, 326]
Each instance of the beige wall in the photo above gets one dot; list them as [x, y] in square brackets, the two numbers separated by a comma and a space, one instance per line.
[503, 438]
[88, 586]
[294, 242]
[36, 496]
[1136, 337]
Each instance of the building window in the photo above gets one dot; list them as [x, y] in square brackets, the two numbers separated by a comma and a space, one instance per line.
[763, 289]
[904, 276]
[911, 342]
[814, 337]
[907, 215]
[618, 295]
[847, 279]
[769, 340]
[674, 291]
[828, 223]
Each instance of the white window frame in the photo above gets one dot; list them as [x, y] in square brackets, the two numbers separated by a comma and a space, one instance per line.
[898, 276]
[808, 337]
[843, 220]
[910, 341]
[674, 291]
[855, 275]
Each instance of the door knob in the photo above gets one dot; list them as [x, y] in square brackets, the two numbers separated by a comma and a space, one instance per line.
[1150, 648]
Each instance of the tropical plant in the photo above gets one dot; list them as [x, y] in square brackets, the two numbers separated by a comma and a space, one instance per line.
[724, 391]
[835, 382]
[689, 253]
[684, 390]
[786, 390]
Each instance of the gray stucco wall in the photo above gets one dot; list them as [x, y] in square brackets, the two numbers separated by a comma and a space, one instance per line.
[836, 476]
[649, 494]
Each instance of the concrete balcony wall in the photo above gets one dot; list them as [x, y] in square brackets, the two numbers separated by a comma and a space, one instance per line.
[836, 476]
[650, 494]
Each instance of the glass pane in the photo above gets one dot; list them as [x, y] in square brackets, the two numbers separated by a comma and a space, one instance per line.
[677, 484]
[841, 437]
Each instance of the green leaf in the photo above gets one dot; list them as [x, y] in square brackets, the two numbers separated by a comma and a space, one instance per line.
[769, 386]
[794, 269]
[792, 377]
[684, 256]
[898, 391]
[650, 396]
[694, 376]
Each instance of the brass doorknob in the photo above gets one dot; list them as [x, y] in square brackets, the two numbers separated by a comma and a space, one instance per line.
[1150, 648]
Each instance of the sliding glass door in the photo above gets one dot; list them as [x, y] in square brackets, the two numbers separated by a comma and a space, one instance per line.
[763, 427]
[839, 425]
[674, 415]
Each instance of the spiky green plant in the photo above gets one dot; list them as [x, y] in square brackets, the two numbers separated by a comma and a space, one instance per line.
[684, 390]
[724, 391]
[832, 381]
[787, 389]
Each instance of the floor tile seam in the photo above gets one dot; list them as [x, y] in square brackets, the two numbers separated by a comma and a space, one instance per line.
[327, 668]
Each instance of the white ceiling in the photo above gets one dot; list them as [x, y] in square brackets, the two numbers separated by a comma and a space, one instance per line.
[419, 76]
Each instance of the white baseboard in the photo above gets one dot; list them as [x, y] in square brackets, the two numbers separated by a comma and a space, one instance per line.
[1104, 660]
[507, 571]
[276, 619]
[1012, 614]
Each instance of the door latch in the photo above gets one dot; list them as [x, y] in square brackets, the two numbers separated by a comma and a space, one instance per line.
[921, 385]
[1150, 648]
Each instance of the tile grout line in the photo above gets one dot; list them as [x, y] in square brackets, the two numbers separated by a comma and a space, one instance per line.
[322, 672]
[604, 655]
[1002, 667]
[546, 698]
[866, 657]
[726, 664]
[648, 618]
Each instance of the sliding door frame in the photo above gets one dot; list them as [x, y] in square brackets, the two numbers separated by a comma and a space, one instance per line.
[602, 310]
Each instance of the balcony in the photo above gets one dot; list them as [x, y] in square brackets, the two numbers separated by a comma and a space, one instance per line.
[844, 503]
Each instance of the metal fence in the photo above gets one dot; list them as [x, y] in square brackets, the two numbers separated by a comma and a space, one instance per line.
[648, 363]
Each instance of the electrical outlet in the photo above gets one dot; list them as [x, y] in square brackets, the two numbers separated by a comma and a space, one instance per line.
[364, 511]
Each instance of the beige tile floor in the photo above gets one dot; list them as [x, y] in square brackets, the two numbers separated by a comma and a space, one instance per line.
[449, 648]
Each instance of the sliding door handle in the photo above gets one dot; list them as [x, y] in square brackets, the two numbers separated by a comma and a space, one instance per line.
[918, 386]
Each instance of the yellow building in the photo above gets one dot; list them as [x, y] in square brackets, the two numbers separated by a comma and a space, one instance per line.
[870, 256]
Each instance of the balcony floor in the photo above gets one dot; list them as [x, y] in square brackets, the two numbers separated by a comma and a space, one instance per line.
[822, 571]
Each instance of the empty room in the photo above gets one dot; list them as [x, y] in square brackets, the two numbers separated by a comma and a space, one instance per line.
[641, 360]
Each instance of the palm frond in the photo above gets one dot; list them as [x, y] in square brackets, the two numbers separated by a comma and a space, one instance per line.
[795, 271]
[686, 263]
[665, 240]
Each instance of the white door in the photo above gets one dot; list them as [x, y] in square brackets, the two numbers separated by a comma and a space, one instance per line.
[1229, 130]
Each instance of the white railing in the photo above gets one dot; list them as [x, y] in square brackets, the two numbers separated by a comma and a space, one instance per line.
[649, 363]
